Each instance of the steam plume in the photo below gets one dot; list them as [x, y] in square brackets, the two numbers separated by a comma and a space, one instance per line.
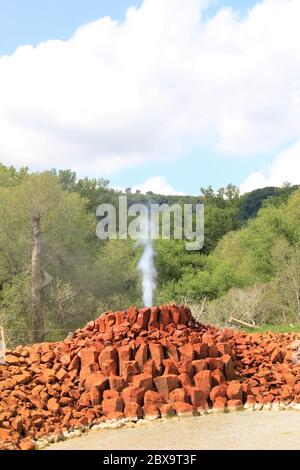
[147, 268]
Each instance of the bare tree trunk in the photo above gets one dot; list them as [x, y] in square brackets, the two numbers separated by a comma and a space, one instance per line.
[36, 287]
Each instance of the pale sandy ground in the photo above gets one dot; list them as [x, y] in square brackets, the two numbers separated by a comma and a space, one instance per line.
[241, 430]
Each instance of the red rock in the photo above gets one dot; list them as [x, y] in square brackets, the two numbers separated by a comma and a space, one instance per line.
[133, 411]
[74, 364]
[110, 320]
[203, 380]
[101, 325]
[228, 333]
[18, 424]
[116, 382]
[149, 368]
[129, 369]
[61, 375]
[108, 353]
[234, 405]
[290, 379]
[151, 411]
[218, 391]
[169, 367]
[82, 421]
[199, 365]
[276, 356]
[142, 356]
[87, 371]
[286, 393]
[184, 409]
[65, 359]
[12, 360]
[88, 356]
[184, 380]
[23, 379]
[47, 387]
[185, 315]
[201, 350]
[156, 352]
[297, 389]
[164, 315]
[213, 351]
[252, 383]
[197, 397]
[172, 352]
[165, 384]
[186, 352]
[96, 380]
[5, 434]
[53, 406]
[235, 390]
[217, 377]
[250, 399]
[142, 319]
[95, 396]
[268, 398]
[220, 404]
[109, 394]
[84, 400]
[36, 400]
[66, 401]
[133, 395]
[124, 353]
[214, 363]
[119, 318]
[151, 398]
[166, 410]
[228, 367]
[34, 358]
[112, 405]
[27, 444]
[178, 394]
[224, 348]
[153, 320]
[143, 381]
[208, 339]
[109, 367]
[49, 375]
[115, 416]
[186, 368]
[174, 314]
[246, 391]
[132, 314]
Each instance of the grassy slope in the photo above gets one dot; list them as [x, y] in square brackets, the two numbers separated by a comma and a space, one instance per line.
[295, 328]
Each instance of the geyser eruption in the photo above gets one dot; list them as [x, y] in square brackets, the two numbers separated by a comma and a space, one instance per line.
[146, 263]
[148, 272]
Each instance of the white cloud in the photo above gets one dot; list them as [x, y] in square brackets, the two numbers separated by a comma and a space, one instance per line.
[153, 87]
[285, 168]
[158, 185]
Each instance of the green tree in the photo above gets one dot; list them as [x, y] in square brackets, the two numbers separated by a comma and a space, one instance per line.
[65, 252]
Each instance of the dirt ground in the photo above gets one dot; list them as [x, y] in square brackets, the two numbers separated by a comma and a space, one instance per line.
[241, 430]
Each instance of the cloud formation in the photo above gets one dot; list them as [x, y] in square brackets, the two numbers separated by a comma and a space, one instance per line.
[153, 87]
[158, 185]
[284, 169]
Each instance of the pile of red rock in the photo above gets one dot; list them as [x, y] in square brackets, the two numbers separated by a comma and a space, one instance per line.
[146, 363]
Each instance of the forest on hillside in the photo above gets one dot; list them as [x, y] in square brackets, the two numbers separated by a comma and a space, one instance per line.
[249, 266]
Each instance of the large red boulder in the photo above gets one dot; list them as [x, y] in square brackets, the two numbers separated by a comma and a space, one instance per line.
[165, 384]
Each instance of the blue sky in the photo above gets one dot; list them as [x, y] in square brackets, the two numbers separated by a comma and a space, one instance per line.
[34, 21]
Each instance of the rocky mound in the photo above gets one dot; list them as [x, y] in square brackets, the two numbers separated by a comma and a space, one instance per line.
[140, 363]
